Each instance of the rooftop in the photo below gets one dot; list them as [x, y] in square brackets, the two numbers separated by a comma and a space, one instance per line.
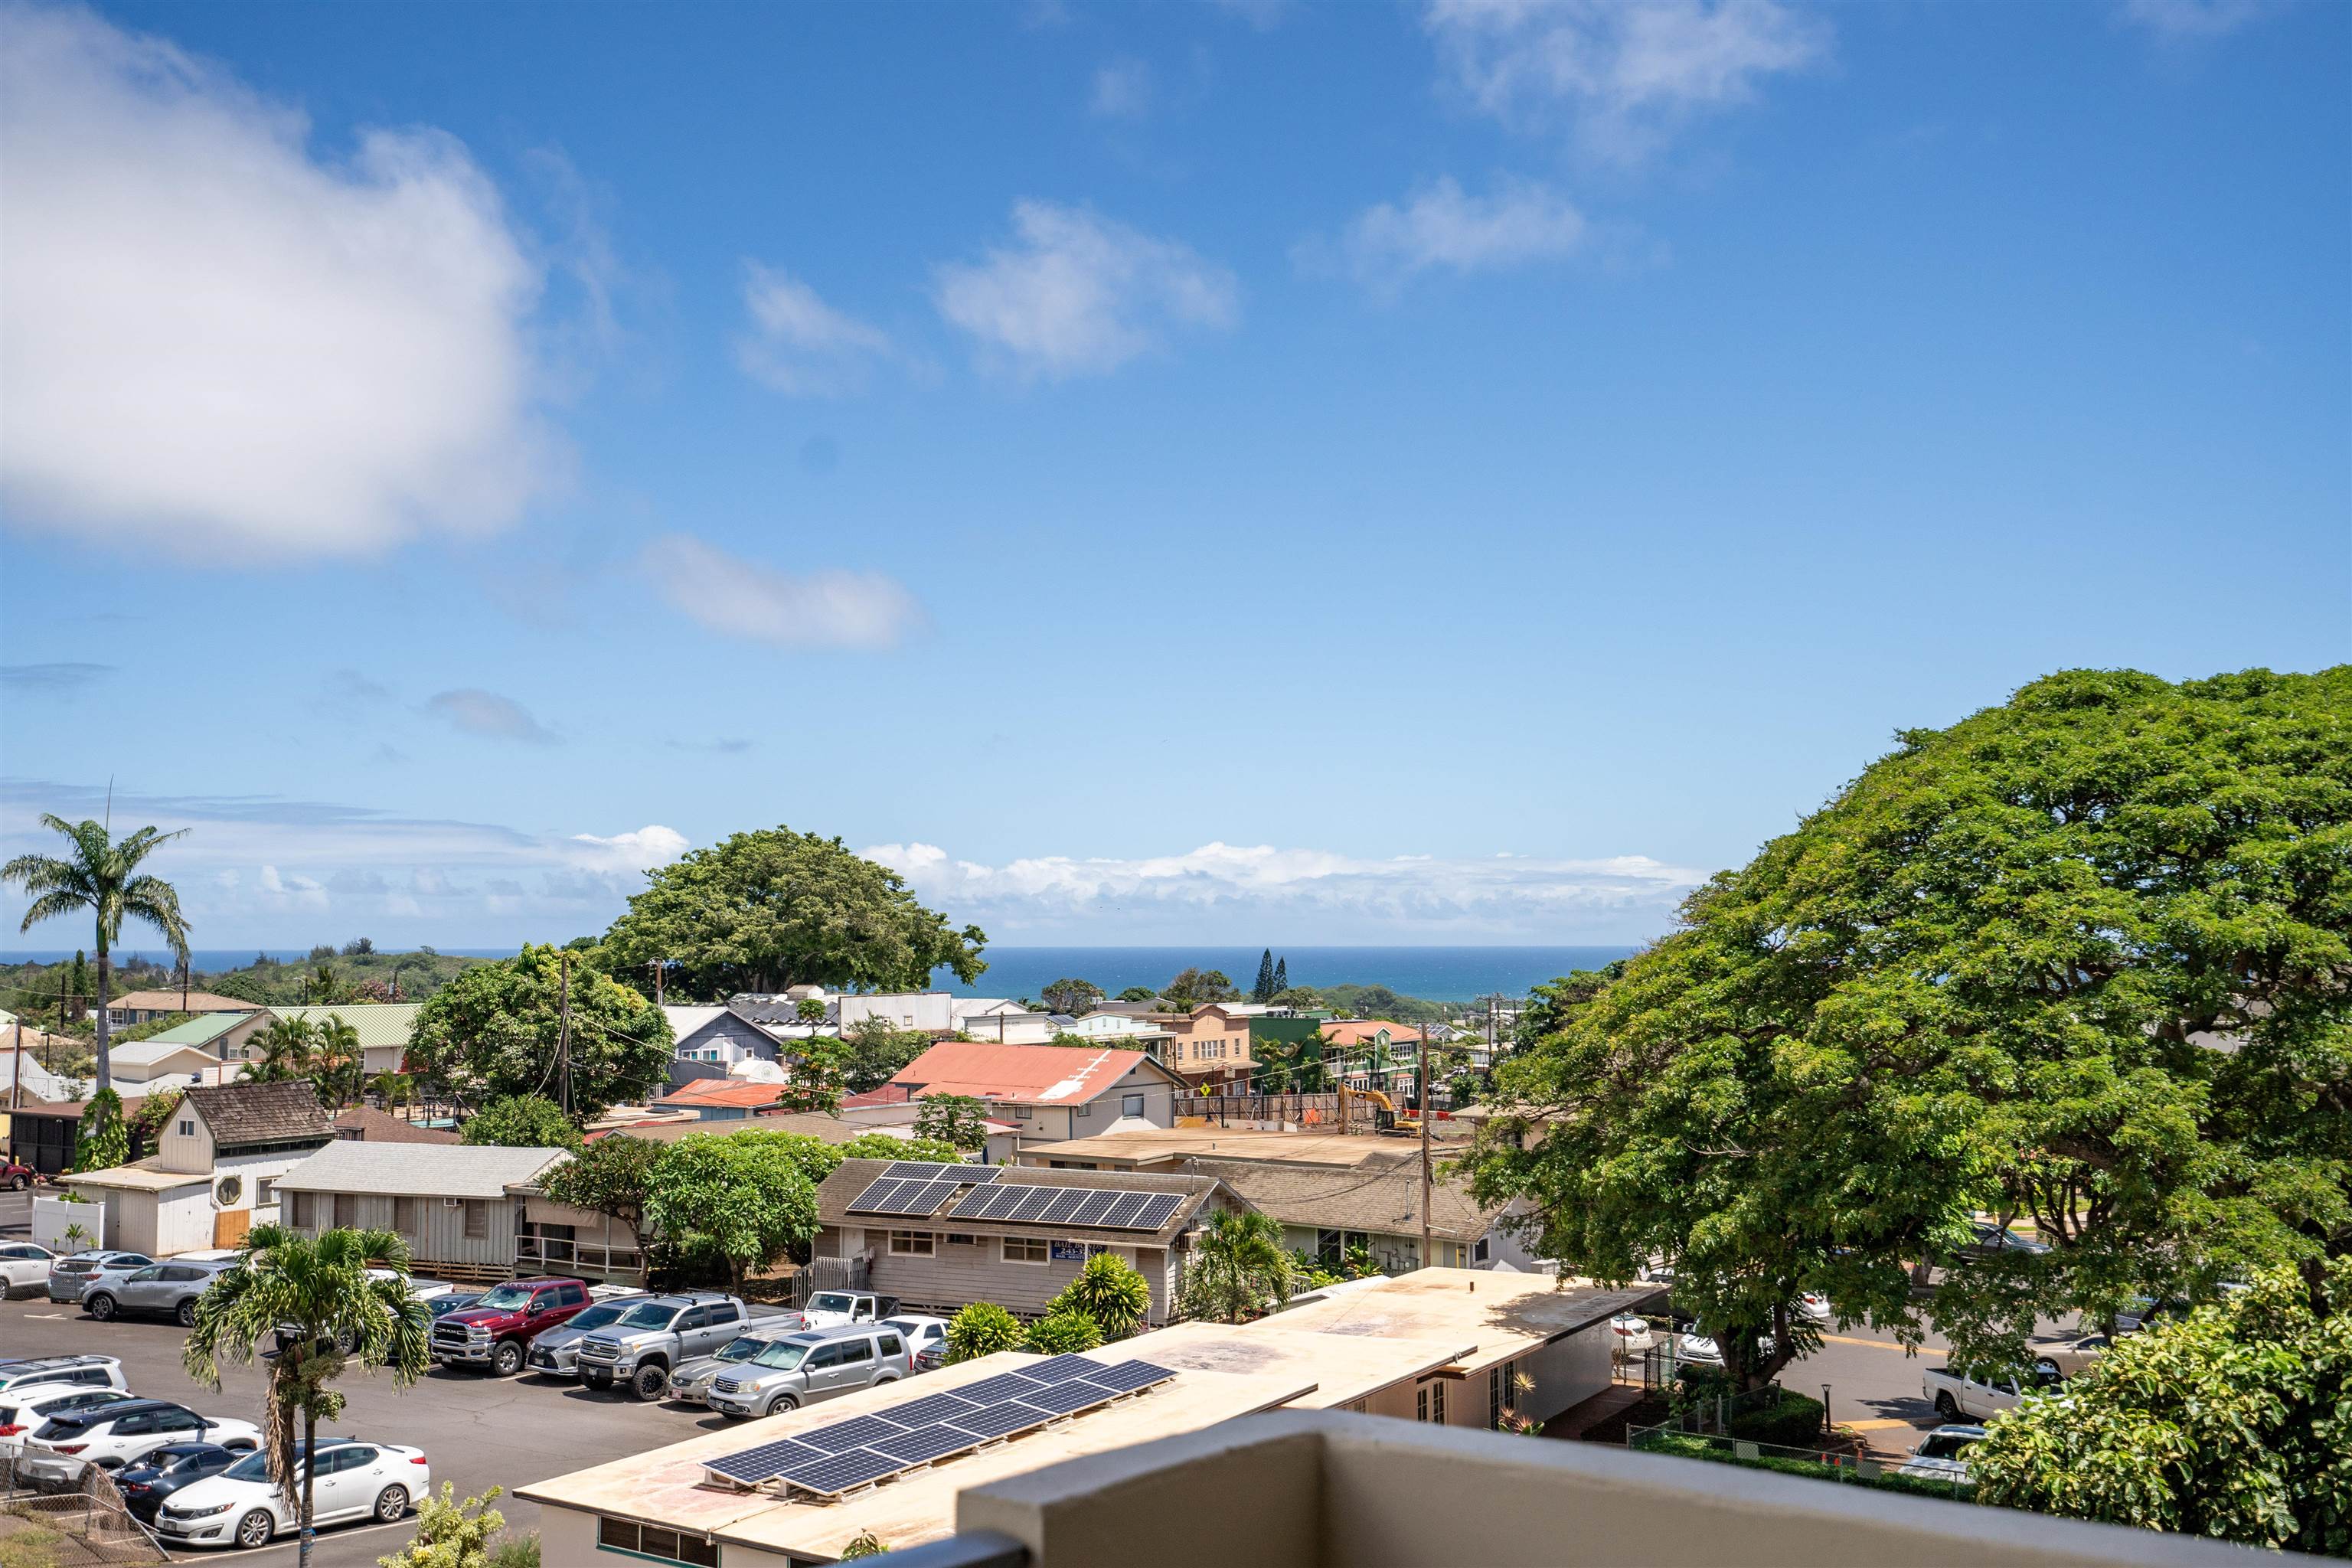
[417, 1170]
[198, 1031]
[380, 1025]
[146, 1175]
[154, 1049]
[1381, 1194]
[365, 1122]
[1361, 1031]
[237, 1114]
[1140, 1146]
[852, 1177]
[1343, 1368]
[722, 1091]
[684, 1021]
[1504, 1315]
[1040, 1075]
[172, 1002]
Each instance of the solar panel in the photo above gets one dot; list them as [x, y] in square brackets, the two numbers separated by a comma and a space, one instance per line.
[1155, 1212]
[927, 1196]
[1066, 1204]
[842, 1472]
[1129, 1375]
[924, 1444]
[1098, 1204]
[1123, 1212]
[1067, 1398]
[1004, 1386]
[876, 1198]
[843, 1435]
[1060, 1369]
[1000, 1419]
[1033, 1204]
[974, 1204]
[769, 1460]
[914, 1169]
[936, 1407]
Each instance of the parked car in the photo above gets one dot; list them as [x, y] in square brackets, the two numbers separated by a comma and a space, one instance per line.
[2068, 1357]
[24, 1408]
[24, 1266]
[556, 1352]
[1699, 1348]
[690, 1379]
[1938, 1456]
[242, 1506]
[111, 1435]
[17, 1176]
[168, 1290]
[1816, 1306]
[1979, 1391]
[830, 1309]
[811, 1365]
[925, 1337]
[1992, 1241]
[149, 1484]
[69, 1274]
[92, 1371]
[1632, 1334]
[655, 1335]
[495, 1333]
[456, 1301]
[426, 1291]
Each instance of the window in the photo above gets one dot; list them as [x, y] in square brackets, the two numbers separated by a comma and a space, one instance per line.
[1478, 1250]
[264, 1191]
[652, 1541]
[855, 1352]
[478, 1219]
[912, 1244]
[1131, 1105]
[403, 1216]
[346, 1210]
[892, 1344]
[1429, 1403]
[696, 1318]
[187, 1128]
[958, 1239]
[1020, 1113]
[1024, 1249]
[302, 1216]
[1499, 1394]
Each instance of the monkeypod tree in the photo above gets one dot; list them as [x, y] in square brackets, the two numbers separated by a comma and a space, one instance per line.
[519, 1027]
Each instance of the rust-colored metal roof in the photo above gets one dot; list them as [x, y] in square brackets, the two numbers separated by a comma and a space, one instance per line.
[1041, 1075]
[724, 1091]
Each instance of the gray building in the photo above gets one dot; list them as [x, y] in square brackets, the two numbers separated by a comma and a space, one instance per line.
[932, 1262]
[458, 1206]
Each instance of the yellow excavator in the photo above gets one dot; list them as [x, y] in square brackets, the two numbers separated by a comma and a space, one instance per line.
[1385, 1114]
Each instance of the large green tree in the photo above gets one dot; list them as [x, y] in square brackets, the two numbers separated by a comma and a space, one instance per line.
[2081, 957]
[770, 909]
[1071, 995]
[495, 1030]
[101, 876]
[749, 1196]
[522, 1122]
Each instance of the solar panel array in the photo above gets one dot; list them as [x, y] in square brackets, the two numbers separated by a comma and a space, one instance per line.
[1090, 1207]
[934, 1170]
[919, 1186]
[865, 1449]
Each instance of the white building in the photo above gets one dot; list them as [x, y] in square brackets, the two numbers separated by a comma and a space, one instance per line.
[212, 1176]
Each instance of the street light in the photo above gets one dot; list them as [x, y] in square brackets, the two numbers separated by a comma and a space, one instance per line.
[1827, 1429]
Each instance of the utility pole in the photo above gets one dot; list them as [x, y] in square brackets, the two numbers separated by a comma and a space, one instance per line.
[1422, 1076]
[655, 965]
[16, 1083]
[564, 1030]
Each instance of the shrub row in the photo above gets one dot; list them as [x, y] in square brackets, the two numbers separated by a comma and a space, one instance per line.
[1687, 1446]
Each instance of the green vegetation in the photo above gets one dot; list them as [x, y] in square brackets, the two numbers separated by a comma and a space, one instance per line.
[1071, 997]
[771, 908]
[26, 1542]
[451, 1533]
[522, 1122]
[613, 1176]
[982, 1329]
[1108, 1293]
[494, 1031]
[2234, 1422]
[100, 878]
[1987, 977]
[956, 1120]
[325, 1050]
[749, 1197]
[322, 1290]
[103, 1140]
[1063, 1334]
[1239, 1270]
[350, 975]
[1686, 1446]
[873, 1053]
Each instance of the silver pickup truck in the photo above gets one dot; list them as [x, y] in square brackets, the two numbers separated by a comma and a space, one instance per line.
[657, 1333]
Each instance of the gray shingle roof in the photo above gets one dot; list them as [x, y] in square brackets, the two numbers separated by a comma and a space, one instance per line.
[239, 1114]
[1367, 1198]
[417, 1170]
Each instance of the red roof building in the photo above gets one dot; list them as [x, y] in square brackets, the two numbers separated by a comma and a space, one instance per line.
[1046, 1091]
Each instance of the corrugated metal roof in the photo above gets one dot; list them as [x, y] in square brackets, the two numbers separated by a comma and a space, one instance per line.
[199, 1031]
[171, 1001]
[380, 1024]
[417, 1170]
[1039, 1075]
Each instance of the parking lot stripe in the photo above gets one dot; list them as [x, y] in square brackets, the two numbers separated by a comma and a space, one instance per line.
[1879, 1344]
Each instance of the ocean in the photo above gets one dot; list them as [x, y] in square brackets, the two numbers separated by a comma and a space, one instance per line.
[1438, 974]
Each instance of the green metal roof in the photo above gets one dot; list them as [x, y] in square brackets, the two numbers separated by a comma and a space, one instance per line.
[380, 1024]
[201, 1030]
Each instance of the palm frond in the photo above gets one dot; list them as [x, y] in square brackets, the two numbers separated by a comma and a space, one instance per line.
[50, 906]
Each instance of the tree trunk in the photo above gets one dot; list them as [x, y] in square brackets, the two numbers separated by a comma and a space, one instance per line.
[105, 1070]
[309, 1474]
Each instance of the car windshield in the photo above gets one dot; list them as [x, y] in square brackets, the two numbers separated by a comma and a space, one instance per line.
[781, 1356]
[652, 1315]
[597, 1316]
[829, 1301]
[254, 1466]
[1944, 1445]
[507, 1296]
[741, 1350]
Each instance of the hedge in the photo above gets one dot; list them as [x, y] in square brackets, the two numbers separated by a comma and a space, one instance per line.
[1794, 1423]
[1686, 1446]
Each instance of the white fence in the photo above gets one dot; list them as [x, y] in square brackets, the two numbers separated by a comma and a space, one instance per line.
[52, 1215]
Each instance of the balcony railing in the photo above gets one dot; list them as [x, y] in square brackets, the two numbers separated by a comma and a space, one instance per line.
[536, 1251]
[1328, 1488]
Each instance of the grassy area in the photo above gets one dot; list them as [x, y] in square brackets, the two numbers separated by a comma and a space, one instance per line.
[27, 1543]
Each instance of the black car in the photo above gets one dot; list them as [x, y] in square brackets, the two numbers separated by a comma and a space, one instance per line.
[146, 1487]
[454, 1302]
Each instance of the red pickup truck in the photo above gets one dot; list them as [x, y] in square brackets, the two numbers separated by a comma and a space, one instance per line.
[498, 1331]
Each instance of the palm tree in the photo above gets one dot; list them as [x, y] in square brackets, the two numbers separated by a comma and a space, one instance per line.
[100, 876]
[287, 1048]
[1239, 1269]
[336, 1061]
[323, 1291]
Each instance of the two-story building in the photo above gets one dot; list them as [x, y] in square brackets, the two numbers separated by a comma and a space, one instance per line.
[383, 1028]
[214, 1172]
[1209, 1047]
[146, 1006]
[1046, 1091]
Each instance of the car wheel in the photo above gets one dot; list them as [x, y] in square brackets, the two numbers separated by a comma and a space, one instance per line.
[344, 1342]
[1946, 1406]
[507, 1360]
[781, 1403]
[391, 1503]
[101, 1307]
[2048, 1368]
[188, 1314]
[255, 1530]
[649, 1381]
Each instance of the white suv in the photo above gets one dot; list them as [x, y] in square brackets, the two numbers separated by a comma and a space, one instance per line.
[28, 1406]
[113, 1435]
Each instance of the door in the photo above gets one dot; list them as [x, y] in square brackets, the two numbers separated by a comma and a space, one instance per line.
[172, 1427]
[725, 1321]
[139, 1290]
[823, 1371]
[857, 1365]
[230, 1226]
[347, 1481]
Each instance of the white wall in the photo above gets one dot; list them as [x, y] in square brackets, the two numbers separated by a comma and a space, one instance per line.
[51, 1215]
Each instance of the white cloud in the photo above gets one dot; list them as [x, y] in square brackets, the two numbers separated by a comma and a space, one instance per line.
[1625, 76]
[214, 341]
[1122, 90]
[1298, 893]
[740, 598]
[479, 712]
[799, 344]
[1078, 294]
[1518, 223]
[2177, 21]
[648, 846]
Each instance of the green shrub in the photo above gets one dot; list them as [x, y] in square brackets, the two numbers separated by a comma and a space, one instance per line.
[1795, 1422]
[1687, 1446]
[1062, 1333]
[1108, 1290]
[516, 1552]
[982, 1329]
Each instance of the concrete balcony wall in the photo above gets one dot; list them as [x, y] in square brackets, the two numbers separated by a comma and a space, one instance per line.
[1330, 1487]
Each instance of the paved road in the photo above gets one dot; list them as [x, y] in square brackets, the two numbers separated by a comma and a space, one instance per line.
[477, 1431]
[1874, 1385]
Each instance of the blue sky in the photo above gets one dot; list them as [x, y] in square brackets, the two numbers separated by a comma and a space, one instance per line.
[1154, 473]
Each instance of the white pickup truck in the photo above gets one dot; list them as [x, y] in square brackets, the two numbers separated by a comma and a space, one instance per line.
[1980, 1392]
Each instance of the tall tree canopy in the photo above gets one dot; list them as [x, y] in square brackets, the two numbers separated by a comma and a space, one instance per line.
[771, 908]
[2083, 956]
[495, 1030]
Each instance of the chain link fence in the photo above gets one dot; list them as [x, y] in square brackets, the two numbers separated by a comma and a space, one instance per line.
[76, 1504]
